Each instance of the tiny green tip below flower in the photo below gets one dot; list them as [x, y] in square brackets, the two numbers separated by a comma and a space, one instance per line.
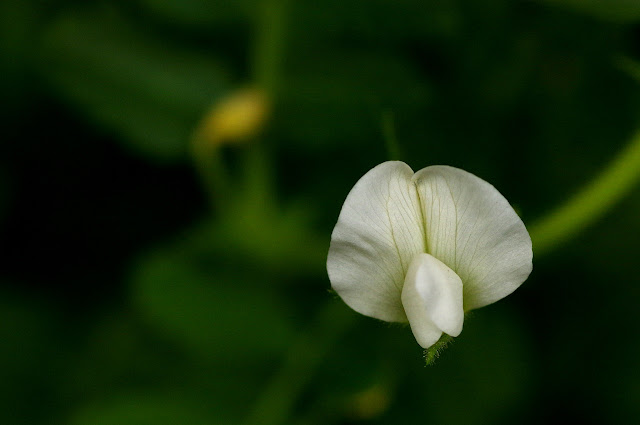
[432, 353]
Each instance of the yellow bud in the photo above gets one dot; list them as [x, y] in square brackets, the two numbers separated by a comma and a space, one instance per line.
[236, 118]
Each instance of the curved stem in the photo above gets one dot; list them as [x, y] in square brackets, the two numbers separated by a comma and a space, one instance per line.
[390, 138]
[590, 203]
[276, 400]
[211, 171]
[267, 61]
[269, 47]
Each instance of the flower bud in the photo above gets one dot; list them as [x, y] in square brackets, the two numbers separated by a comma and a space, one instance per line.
[236, 118]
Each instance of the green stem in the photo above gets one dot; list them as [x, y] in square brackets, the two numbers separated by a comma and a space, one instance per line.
[269, 47]
[268, 54]
[390, 138]
[212, 173]
[278, 398]
[258, 173]
[267, 61]
[432, 353]
[590, 203]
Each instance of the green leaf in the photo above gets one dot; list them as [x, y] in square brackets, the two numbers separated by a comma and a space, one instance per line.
[253, 228]
[146, 90]
[279, 241]
[217, 316]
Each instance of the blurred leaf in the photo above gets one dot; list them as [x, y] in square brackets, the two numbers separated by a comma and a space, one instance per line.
[114, 354]
[337, 99]
[201, 13]
[254, 231]
[279, 241]
[611, 10]
[147, 409]
[220, 317]
[150, 92]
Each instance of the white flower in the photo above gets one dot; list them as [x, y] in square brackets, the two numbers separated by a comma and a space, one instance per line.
[426, 247]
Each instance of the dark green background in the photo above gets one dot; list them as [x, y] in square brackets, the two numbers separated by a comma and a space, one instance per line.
[126, 299]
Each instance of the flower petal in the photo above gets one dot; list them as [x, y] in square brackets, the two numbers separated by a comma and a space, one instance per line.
[472, 228]
[379, 231]
[432, 299]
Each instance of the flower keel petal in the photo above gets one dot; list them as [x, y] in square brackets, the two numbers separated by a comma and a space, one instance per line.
[432, 299]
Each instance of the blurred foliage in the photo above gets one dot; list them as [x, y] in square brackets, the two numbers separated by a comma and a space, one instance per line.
[177, 298]
[143, 87]
[135, 291]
